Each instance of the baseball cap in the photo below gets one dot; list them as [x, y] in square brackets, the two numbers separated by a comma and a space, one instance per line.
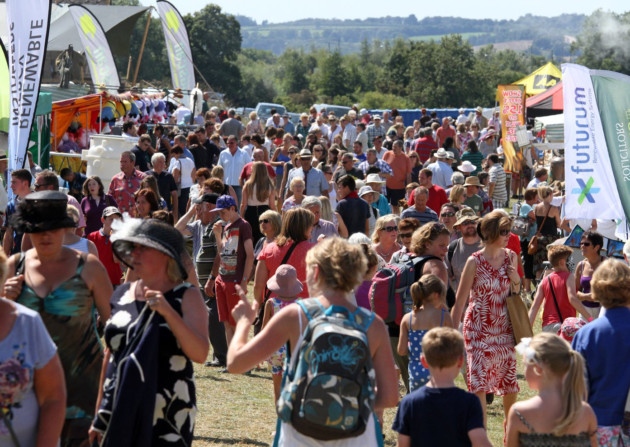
[111, 210]
[208, 198]
[225, 202]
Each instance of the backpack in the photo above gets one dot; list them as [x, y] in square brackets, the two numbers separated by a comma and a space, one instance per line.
[328, 392]
[389, 294]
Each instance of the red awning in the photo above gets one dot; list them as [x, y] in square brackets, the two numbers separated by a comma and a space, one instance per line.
[549, 102]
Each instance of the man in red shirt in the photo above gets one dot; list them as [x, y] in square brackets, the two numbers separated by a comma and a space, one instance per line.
[401, 167]
[437, 194]
[104, 245]
[444, 132]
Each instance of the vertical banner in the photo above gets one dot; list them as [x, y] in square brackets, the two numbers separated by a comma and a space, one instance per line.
[5, 86]
[512, 109]
[591, 134]
[99, 56]
[28, 22]
[177, 46]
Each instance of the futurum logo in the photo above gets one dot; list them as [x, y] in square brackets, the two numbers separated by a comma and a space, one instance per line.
[585, 190]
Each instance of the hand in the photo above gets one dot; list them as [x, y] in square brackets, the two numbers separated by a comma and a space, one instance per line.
[243, 286]
[244, 310]
[95, 435]
[513, 274]
[209, 287]
[156, 301]
[217, 229]
[13, 287]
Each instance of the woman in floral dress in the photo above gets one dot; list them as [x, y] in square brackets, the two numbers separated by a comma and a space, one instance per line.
[485, 284]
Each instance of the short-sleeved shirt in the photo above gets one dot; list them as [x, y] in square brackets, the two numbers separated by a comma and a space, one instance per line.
[106, 256]
[401, 167]
[233, 254]
[497, 176]
[428, 215]
[315, 180]
[475, 203]
[166, 185]
[354, 212]
[204, 248]
[233, 165]
[143, 159]
[122, 189]
[323, 227]
[273, 255]
[438, 416]
[27, 348]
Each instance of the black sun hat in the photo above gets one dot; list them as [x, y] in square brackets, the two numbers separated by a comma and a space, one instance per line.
[42, 211]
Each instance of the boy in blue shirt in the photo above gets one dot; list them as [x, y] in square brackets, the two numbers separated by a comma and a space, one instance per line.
[440, 413]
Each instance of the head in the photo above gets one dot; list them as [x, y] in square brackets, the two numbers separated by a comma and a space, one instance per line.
[421, 195]
[495, 227]
[158, 161]
[67, 174]
[558, 255]
[227, 208]
[492, 159]
[448, 214]
[443, 347]
[347, 161]
[429, 288]
[204, 207]
[21, 182]
[378, 142]
[297, 186]
[270, 223]
[531, 196]
[326, 210]
[297, 224]
[48, 181]
[232, 143]
[611, 284]
[425, 177]
[457, 195]
[386, 227]
[345, 185]
[431, 239]
[335, 264]
[42, 211]
[314, 205]
[146, 202]
[466, 223]
[591, 244]
[541, 174]
[150, 182]
[406, 228]
[127, 162]
[217, 172]
[545, 193]
[415, 158]
[397, 146]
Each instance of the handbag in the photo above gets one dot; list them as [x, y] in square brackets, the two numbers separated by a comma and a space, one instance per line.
[517, 312]
[520, 224]
[532, 247]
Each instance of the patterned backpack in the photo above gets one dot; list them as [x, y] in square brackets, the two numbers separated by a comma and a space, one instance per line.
[329, 392]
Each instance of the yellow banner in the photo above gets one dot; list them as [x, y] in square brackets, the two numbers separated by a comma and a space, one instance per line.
[512, 109]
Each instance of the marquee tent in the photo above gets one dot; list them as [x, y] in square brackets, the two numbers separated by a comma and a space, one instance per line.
[549, 102]
[540, 80]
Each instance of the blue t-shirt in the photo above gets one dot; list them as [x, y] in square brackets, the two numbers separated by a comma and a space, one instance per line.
[523, 212]
[438, 416]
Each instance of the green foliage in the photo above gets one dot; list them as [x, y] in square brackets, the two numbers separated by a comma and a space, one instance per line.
[333, 76]
[378, 100]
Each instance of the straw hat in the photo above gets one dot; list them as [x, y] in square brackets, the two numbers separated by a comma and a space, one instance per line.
[473, 180]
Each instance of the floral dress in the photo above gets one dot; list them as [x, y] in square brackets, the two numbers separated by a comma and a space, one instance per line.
[490, 357]
[174, 407]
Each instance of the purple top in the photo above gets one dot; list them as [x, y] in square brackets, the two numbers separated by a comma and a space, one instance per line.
[93, 212]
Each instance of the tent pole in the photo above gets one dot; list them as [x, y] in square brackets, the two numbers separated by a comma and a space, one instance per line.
[144, 41]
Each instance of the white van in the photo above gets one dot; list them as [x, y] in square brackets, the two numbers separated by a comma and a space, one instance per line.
[263, 109]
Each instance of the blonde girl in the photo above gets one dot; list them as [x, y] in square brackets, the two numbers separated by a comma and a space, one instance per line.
[429, 311]
[559, 414]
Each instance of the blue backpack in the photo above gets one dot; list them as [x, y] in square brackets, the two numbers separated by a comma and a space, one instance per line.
[329, 393]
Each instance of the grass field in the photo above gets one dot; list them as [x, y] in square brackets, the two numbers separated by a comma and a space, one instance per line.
[238, 410]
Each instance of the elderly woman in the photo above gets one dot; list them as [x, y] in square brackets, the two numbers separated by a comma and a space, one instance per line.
[334, 269]
[160, 323]
[385, 237]
[605, 347]
[33, 391]
[65, 287]
[485, 285]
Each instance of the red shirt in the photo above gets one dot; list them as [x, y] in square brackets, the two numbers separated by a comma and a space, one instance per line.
[246, 173]
[273, 255]
[550, 312]
[401, 166]
[106, 256]
[514, 244]
[437, 198]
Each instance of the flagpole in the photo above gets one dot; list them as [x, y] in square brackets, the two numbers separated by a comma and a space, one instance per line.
[144, 41]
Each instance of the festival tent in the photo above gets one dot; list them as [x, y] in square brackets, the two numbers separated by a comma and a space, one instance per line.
[540, 80]
[549, 102]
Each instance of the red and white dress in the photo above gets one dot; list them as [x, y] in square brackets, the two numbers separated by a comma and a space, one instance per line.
[490, 356]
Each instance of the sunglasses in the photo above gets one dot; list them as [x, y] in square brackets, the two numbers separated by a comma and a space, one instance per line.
[405, 235]
[390, 229]
[125, 249]
[291, 152]
[263, 221]
[469, 222]
[449, 214]
[504, 232]
[585, 244]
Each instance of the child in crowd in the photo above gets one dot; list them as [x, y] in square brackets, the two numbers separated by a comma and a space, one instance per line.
[284, 287]
[429, 311]
[440, 413]
[104, 245]
[559, 414]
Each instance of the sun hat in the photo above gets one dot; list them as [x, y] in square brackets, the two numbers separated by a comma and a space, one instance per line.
[110, 211]
[450, 155]
[569, 328]
[479, 109]
[285, 284]
[473, 180]
[42, 211]
[305, 153]
[465, 214]
[363, 111]
[150, 233]
[225, 202]
[208, 198]
[365, 190]
[441, 153]
[466, 166]
[374, 178]
[376, 117]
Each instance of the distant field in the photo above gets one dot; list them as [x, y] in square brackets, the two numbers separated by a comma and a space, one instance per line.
[439, 36]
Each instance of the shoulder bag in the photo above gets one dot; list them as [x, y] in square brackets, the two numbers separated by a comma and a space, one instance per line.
[532, 247]
[517, 312]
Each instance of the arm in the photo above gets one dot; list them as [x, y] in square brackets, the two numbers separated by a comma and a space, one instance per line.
[94, 434]
[383, 361]
[367, 225]
[97, 280]
[267, 314]
[491, 186]
[260, 280]
[182, 223]
[573, 299]
[403, 441]
[233, 193]
[245, 197]
[50, 389]
[343, 230]
[538, 299]
[7, 241]
[92, 248]
[249, 263]
[272, 199]
[403, 338]
[463, 290]
[437, 268]
[479, 438]
[512, 430]
[191, 328]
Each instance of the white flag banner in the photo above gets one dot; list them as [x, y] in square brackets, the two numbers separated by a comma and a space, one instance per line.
[177, 46]
[28, 22]
[591, 190]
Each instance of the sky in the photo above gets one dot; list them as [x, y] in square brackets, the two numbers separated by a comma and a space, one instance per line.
[285, 11]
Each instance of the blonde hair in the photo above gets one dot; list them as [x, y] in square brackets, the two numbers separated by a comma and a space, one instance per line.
[173, 272]
[544, 191]
[261, 181]
[218, 172]
[610, 284]
[326, 209]
[442, 347]
[380, 224]
[457, 194]
[559, 359]
[341, 264]
[424, 287]
[295, 181]
[426, 234]
[73, 212]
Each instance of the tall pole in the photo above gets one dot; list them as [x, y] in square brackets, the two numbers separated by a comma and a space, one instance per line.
[144, 41]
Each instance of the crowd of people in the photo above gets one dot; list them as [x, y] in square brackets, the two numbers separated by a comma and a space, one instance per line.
[113, 291]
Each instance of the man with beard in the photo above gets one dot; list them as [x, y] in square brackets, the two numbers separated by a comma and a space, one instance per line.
[460, 249]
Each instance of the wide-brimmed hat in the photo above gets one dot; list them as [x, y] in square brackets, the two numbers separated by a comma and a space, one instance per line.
[365, 190]
[150, 233]
[285, 284]
[465, 214]
[374, 178]
[479, 109]
[466, 166]
[441, 153]
[363, 111]
[488, 134]
[305, 153]
[473, 180]
[42, 211]
[450, 155]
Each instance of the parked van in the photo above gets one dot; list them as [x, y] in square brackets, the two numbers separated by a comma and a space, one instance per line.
[339, 111]
[263, 109]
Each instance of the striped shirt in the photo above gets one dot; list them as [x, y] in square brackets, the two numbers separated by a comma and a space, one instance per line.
[497, 176]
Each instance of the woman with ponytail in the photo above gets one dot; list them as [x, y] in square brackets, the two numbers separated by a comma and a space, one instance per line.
[559, 414]
[429, 311]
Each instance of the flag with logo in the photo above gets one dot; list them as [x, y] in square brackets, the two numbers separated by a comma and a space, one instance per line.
[597, 143]
[177, 46]
[98, 54]
[512, 112]
[28, 22]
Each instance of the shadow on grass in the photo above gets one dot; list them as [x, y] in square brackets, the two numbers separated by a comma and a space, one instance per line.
[230, 441]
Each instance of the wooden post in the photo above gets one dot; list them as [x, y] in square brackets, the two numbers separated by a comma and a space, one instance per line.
[144, 41]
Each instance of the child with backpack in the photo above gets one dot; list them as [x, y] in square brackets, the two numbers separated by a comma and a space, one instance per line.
[340, 367]
[428, 312]
[284, 287]
[440, 413]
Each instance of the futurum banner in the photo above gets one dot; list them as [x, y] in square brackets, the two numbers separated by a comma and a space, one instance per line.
[27, 22]
[597, 143]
